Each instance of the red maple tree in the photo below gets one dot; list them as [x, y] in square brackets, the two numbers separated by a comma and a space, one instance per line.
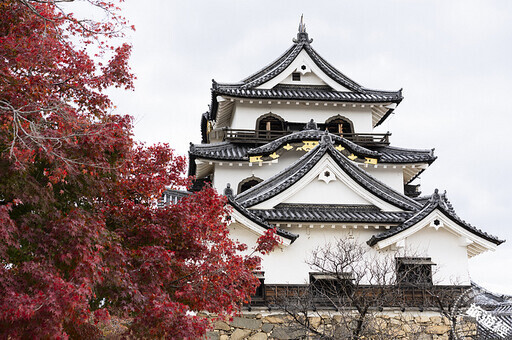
[81, 237]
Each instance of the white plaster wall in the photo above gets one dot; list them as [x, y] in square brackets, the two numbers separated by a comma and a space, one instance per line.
[246, 114]
[445, 250]
[234, 173]
[287, 265]
[302, 58]
[326, 163]
[334, 192]
[305, 79]
[392, 177]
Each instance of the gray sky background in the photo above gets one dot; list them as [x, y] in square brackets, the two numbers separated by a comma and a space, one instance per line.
[452, 58]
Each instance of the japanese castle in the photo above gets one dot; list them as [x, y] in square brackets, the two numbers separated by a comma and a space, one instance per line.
[293, 148]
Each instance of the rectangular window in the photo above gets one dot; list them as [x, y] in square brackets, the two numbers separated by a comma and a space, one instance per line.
[330, 285]
[296, 76]
[414, 270]
[260, 291]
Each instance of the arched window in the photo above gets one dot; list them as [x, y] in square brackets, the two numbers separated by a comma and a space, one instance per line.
[339, 125]
[248, 183]
[270, 122]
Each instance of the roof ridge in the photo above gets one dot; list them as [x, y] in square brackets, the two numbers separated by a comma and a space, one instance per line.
[297, 164]
[290, 175]
[399, 199]
[397, 148]
[311, 133]
[436, 201]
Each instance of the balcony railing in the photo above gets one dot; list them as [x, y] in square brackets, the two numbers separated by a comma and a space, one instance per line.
[428, 296]
[264, 136]
[252, 136]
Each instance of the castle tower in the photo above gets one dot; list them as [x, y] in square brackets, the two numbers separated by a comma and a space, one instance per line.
[293, 147]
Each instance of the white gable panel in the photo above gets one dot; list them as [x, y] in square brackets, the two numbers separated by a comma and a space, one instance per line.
[334, 192]
[357, 195]
[305, 79]
[318, 77]
[445, 250]
[473, 244]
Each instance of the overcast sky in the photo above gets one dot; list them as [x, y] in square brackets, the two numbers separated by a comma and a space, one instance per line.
[452, 59]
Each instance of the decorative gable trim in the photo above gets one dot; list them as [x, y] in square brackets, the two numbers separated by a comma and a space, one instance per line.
[302, 59]
[439, 221]
[326, 164]
[438, 213]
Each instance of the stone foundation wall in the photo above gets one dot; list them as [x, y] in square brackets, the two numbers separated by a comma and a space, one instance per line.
[258, 326]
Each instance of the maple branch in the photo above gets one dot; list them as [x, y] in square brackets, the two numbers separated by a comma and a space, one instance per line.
[34, 134]
[65, 16]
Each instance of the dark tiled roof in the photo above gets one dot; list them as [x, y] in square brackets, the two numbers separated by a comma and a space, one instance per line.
[237, 151]
[330, 213]
[223, 150]
[258, 220]
[297, 92]
[247, 87]
[391, 154]
[310, 135]
[297, 170]
[441, 203]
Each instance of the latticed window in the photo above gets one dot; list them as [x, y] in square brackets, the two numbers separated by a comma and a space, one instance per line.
[414, 270]
[330, 285]
[271, 123]
[260, 291]
[339, 125]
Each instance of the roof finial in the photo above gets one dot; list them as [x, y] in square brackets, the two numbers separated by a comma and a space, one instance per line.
[435, 196]
[302, 26]
[228, 191]
[302, 35]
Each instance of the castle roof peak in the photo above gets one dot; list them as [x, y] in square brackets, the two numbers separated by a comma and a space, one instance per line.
[302, 35]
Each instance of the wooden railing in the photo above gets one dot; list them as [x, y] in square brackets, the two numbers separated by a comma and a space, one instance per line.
[264, 136]
[253, 136]
[429, 296]
[367, 138]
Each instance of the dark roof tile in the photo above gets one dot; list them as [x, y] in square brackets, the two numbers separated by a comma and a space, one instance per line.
[330, 213]
[440, 202]
[297, 170]
[260, 221]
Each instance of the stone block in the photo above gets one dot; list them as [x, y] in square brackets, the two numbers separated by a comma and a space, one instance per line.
[275, 319]
[437, 329]
[267, 327]
[422, 319]
[423, 336]
[315, 321]
[411, 328]
[224, 337]
[284, 333]
[436, 320]
[258, 336]
[240, 322]
[212, 335]
[221, 325]
[240, 334]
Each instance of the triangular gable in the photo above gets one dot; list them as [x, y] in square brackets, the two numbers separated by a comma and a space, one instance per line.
[439, 215]
[327, 183]
[440, 222]
[324, 157]
[311, 75]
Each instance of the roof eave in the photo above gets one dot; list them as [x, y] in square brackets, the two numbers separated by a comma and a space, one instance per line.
[263, 224]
